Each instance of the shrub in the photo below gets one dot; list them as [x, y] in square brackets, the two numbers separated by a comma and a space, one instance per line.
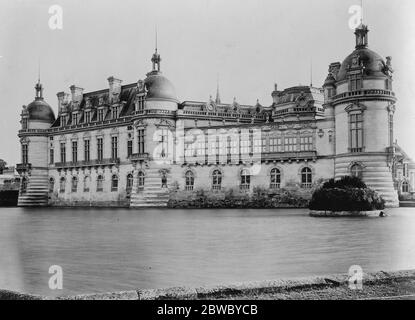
[347, 194]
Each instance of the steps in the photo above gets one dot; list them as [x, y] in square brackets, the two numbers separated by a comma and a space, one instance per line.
[36, 194]
[153, 195]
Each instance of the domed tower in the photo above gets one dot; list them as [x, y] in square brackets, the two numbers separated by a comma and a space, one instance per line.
[360, 93]
[36, 118]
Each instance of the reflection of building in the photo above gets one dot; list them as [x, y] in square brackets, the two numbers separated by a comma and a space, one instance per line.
[103, 147]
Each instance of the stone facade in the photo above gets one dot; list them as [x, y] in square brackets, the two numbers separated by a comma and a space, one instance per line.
[129, 144]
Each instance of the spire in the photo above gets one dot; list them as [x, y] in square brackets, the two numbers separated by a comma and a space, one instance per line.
[361, 32]
[156, 59]
[311, 72]
[217, 100]
[38, 86]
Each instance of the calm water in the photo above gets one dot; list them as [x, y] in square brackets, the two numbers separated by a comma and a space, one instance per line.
[121, 249]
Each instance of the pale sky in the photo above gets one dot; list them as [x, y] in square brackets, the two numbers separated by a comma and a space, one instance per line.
[250, 44]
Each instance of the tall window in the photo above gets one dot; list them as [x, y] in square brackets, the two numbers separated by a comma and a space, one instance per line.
[306, 178]
[63, 152]
[405, 170]
[100, 183]
[130, 181]
[355, 84]
[100, 149]
[51, 156]
[87, 116]
[290, 144]
[140, 104]
[100, 114]
[74, 151]
[388, 84]
[141, 180]
[24, 123]
[87, 154]
[164, 143]
[217, 180]
[129, 148]
[25, 154]
[245, 179]
[356, 132]
[190, 180]
[114, 147]
[141, 134]
[87, 183]
[23, 188]
[62, 183]
[306, 143]
[64, 120]
[275, 145]
[51, 185]
[75, 118]
[114, 112]
[275, 182]
[405, 187]
[74, 184]
[356, 170]
[114, 183]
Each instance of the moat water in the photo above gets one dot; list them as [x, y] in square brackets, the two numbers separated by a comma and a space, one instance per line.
[121, 249]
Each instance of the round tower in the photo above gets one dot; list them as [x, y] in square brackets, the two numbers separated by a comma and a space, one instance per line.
[360, 92]
[36, 118]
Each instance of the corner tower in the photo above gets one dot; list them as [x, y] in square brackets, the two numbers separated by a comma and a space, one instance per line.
[360, 92]
[36, 118]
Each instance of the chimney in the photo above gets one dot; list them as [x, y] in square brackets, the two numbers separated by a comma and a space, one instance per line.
[114, 88]
[63, 98]
[77, 93]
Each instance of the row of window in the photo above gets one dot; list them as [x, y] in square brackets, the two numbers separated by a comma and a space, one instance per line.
[88, 115]
[87, 149]
[245, 179]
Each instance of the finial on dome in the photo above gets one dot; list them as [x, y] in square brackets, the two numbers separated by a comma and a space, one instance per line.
[361, 33]
[39, 90]
[217, 100]
[156, 59]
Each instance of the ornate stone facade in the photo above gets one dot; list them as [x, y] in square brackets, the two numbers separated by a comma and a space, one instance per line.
[128, 144]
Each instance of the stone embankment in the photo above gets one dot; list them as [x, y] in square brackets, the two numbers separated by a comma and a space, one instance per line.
[378, 285]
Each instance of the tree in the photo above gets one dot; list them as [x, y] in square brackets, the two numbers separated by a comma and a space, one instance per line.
[3, 165]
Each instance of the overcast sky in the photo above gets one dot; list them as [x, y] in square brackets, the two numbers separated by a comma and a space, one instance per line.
[249, 44]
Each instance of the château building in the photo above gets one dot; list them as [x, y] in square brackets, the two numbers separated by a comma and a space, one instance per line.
[127, 145]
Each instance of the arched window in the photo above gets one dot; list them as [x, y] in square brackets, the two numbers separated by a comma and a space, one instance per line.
[216, 180]
[245, 179]
[100, 183]
[356, 170]
[62, 183]
[130, 181]
[190, 180]
[275, 182]
[87, 183]
[306, 178]
[51, 185]
[114, 183]
[141, 180]
[74, 184]
[24, 185]
[405, 187]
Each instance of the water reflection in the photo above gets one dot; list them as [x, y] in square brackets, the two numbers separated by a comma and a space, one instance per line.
[120, 249]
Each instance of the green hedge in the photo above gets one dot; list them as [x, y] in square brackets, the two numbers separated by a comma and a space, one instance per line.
[347, 194]
[230, 198]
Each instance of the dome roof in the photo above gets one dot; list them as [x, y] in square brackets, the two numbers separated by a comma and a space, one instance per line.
[41, 111]
[159, 87]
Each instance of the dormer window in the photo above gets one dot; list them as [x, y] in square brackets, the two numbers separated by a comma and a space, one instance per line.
[87, 116]
[114, 112]
[388, 84]
[64, 120]
[140, 103]
[100, 114]
[75, 118]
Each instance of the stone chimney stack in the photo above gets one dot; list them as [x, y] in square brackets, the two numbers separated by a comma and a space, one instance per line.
[114, 89]
[63, 98]
[77, 93]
